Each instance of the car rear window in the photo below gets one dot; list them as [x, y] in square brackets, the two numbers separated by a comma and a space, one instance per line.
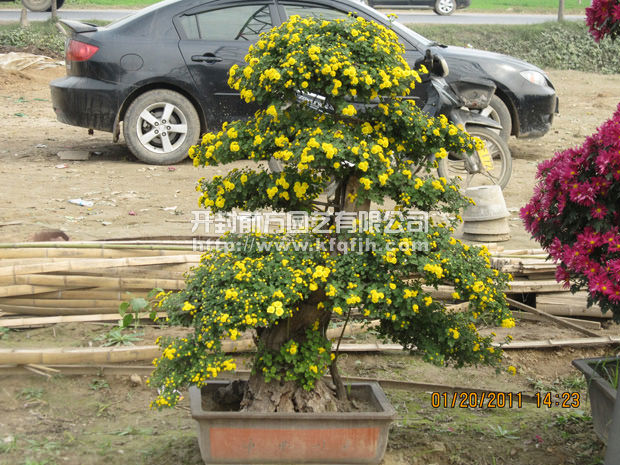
[234, 23]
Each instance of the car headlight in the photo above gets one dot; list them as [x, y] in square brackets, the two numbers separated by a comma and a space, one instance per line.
[535, 77]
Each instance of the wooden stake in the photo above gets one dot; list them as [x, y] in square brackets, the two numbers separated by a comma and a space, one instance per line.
[112, 251]
[61, 303]
[555, 319]
[550, 343]
[38, 321]
[77, 265]
[23, 289]
[56, 311]
[77, 281]
[595, 325]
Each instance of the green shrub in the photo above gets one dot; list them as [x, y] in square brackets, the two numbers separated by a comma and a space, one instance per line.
[566, 45]
[40, 38]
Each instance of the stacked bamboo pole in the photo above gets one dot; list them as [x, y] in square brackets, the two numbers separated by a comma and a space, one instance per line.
[88, 278]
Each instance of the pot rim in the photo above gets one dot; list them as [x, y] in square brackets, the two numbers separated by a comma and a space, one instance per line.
[387, 413]
[584, 365]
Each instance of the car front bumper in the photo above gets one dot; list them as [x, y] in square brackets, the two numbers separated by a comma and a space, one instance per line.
[85, 102]
[536, 113]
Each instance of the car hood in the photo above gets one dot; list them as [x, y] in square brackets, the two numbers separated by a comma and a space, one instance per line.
[466, 61]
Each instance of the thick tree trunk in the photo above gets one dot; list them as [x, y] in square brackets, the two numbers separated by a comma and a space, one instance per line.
[277, 396]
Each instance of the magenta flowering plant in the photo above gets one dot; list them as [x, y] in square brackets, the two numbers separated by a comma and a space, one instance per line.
[575, 210]
[575, 215]
[603, 19]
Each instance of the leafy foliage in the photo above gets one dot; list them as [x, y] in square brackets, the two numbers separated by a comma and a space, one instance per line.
[38, 38]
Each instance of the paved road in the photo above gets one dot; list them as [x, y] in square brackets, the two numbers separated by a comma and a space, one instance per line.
[406, 17]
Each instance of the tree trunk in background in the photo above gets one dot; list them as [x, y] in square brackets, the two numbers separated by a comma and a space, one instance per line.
[23, 18]
[561, 11]
[54, 10]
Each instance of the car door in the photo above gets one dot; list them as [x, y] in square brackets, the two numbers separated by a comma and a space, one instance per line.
[214, 37]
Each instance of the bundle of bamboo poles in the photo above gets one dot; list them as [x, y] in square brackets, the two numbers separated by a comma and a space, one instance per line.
[87, 278]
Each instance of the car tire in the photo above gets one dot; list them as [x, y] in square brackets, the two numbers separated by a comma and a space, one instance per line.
[445, 7]
[37, 5]
[499, 112]
[165, 109]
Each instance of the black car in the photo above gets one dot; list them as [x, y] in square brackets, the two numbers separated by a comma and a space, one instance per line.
[163, 71]
[441, 7]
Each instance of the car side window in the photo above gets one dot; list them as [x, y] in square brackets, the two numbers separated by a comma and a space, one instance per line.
[234, 23]
[313, 11]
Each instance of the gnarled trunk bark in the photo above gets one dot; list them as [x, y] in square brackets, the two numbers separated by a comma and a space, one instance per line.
[287, 396]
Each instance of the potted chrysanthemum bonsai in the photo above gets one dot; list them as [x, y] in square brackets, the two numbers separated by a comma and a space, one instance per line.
[335, 133]
[575, 215]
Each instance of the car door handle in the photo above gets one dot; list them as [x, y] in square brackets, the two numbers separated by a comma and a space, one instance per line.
[206, 58]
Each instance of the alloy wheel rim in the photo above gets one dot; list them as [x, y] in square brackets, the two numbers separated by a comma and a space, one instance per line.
[39, 3]
[162, 127]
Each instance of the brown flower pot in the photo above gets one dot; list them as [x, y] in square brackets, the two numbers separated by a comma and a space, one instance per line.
[269, 438]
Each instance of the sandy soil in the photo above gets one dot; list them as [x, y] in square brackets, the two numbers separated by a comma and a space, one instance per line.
[36, 186]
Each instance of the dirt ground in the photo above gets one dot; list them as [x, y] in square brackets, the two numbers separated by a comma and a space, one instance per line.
[101, 418]
[136, 200]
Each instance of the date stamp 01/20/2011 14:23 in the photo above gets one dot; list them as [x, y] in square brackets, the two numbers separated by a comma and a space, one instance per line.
[504, 399]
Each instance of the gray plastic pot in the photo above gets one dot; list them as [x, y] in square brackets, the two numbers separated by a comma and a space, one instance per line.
[602, 394]
[270, 438]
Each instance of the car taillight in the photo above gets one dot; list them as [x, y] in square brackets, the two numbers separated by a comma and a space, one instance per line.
[79, 51]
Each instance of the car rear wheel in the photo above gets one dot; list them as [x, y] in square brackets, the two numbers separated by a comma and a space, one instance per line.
[160, 126]
[445, 7]
[498, 111]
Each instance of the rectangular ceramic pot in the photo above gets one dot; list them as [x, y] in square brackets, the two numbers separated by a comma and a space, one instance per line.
[271, 438]
[602, 394]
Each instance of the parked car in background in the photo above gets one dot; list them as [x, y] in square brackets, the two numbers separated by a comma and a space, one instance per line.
[162, 72]
[441, 7]
[39, 5]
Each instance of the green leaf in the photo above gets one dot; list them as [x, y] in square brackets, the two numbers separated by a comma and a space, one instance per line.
[153, 292]
[138, 304]
[127, 320]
